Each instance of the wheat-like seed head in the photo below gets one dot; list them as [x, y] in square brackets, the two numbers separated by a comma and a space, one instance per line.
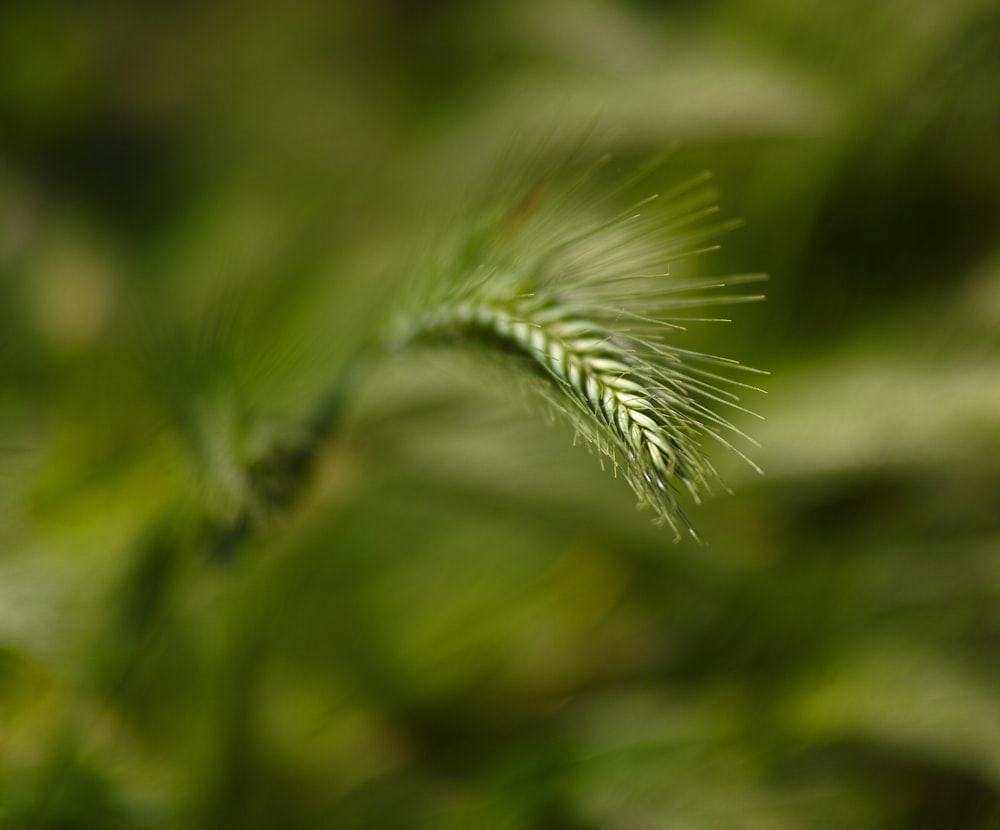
[592, 310]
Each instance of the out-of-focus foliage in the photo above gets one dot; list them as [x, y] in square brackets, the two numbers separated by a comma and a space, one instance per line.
[462, 623]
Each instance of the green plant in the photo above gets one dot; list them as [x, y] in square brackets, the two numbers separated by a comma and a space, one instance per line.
[592, 308]
[581, 299]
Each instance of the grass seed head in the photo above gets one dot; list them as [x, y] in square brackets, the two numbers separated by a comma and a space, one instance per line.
[589, 304]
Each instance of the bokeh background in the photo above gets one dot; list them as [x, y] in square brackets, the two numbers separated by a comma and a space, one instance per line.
[462, 622]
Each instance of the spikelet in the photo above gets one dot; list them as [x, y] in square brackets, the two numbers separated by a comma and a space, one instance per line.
[591, 307]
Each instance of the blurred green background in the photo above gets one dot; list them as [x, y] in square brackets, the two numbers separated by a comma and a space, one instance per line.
[462, 623]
